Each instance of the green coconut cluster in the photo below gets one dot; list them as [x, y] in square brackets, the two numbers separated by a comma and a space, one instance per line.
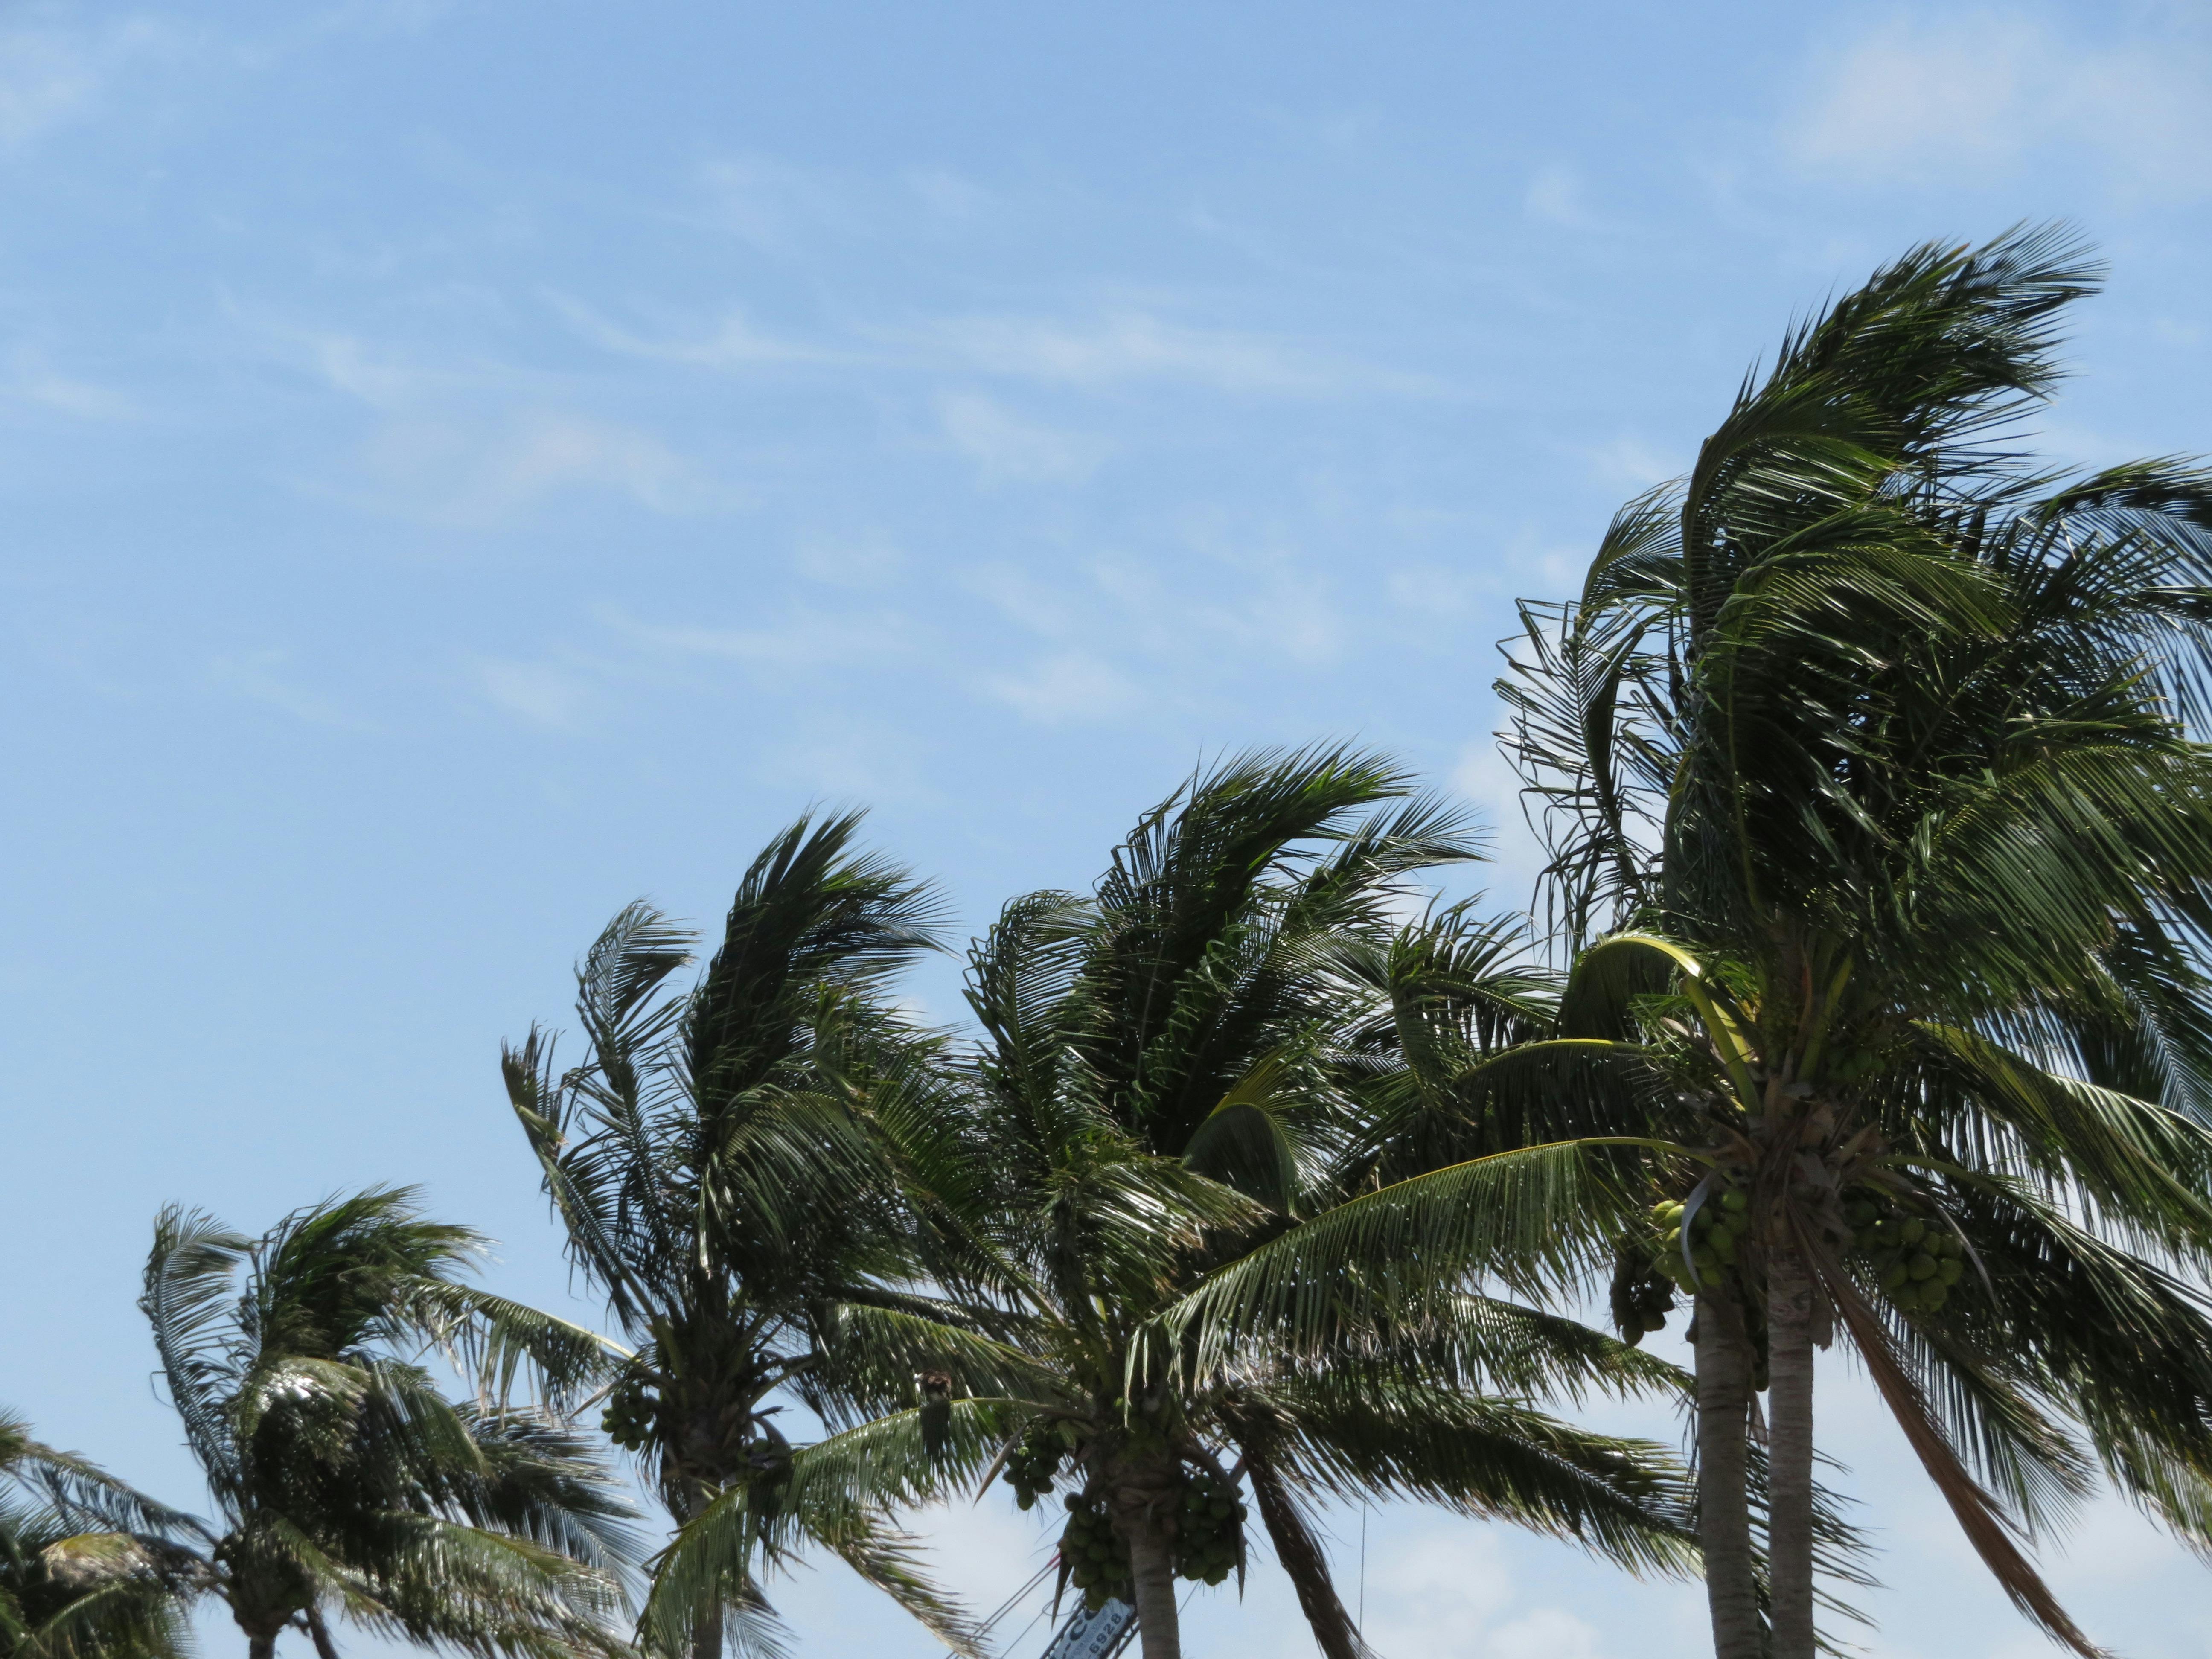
[1092, 1551]
[629, 1418]
[1642, 1295]
[1916, 1262]
[1716, 1231]
[1033, 1465]
[1209, 1539]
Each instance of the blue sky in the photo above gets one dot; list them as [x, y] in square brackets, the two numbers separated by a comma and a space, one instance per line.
[466, 465]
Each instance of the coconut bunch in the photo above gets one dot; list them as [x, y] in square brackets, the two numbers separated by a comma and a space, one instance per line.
[1033, 1465]
[1209, 1539]
[629, 1418]
[1642, 1296]
[1715, 1229]
[1915, 1261]
[1091, 1554]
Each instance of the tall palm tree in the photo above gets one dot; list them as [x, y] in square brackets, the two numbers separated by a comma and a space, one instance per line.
[1162, 1085]
[344, 1482]
[1876, 748]
[726, 1162]
[89, 1568]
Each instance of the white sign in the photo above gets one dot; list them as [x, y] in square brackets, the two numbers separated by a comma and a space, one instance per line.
[1094, 1635]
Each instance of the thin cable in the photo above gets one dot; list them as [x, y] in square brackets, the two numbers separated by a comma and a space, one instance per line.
[1363, 1564]
[1017, 1597]
[1010, 1604]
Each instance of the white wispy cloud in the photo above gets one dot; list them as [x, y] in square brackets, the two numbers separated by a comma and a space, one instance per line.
[1488, 780]
[799, 639]
[262, 676]
[1923, 97]
[66, 394]
[1063, 688]
[1129, 345]
[948, 195]
[1559, 195]
[544, 694]
[461, 471]
[730, 342]
[1006, 449]
[775, 206]
[1629, 463]
[855, 561]
[377, 373]
[52, 74]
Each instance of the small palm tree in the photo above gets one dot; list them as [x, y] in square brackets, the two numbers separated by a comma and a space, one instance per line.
[726, 1162]
[1163, 1086]
[89, 1568]
[345, 1482]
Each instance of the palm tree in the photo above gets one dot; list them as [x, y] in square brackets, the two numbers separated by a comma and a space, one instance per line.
[1162, 1085]
[344, 1481]
[89, 1568]
[1874, 746]
[726, 1163]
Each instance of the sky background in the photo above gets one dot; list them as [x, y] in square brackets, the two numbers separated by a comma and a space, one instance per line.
[464, 467]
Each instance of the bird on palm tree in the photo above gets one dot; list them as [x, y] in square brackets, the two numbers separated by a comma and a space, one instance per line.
[89, 1568]
[345, 1484]
[1162, 1085]
[726, 1161]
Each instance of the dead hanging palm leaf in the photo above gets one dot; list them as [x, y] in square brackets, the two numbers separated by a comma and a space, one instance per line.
[1986, 1527]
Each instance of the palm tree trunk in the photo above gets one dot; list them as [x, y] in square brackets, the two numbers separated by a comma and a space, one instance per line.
[706, 1636]
[1152, 1570]
[1790, 1407]
[261, 1647]
[1723, 1477]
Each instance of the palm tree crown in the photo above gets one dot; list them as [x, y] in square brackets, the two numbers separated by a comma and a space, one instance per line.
[89, 1568]
[1876, 745]
[726, 1163]
[1163, 1086]
[345, 1482]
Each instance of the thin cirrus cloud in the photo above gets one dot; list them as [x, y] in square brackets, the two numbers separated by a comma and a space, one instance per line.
[52, 76]
[540, 693]
[732, 341]
[1007, 449]
[461, 471]
[1111, 348]
[1123, 346]
[1916, 100]
[1067, 688]
[264, 677]
[798, 640]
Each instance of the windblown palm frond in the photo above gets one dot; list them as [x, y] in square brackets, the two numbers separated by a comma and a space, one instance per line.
[1172, 1077]
[1868, 763]
[754, 1170]
[346, 1483]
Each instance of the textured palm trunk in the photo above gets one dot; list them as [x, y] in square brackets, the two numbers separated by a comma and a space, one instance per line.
[1789, 1412]
[1151, 1571]
[261, 1647]
[1723, 1507]
[685, 1493]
